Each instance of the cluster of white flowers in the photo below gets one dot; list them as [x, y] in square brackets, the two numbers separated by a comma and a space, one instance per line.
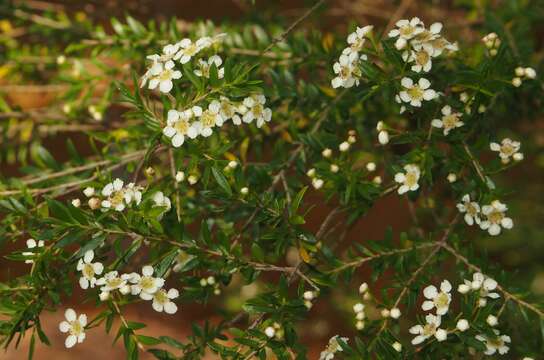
[484, 285]
[492, 42]
[162, 71]
[523, 73]
[440, 300]
[419, 44]
[145, 285]
[196, 121]
[489, 217]
[409, 179]
[507, 149]
[449, 121]
[32, 245]
[347, 68]
[210, 281]
[114, 195]
[332, 348]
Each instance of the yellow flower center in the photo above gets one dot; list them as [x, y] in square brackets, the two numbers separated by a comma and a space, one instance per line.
[422, 57]
[495, 217]
[147, 282]
[88, 271]
[114, 283]
[429, 329]
[165, 75]
[415, 93]
[507, 149]
[161, 297]
[442, 300]
[257, 110]
[208, 119]
[411, 179]
[407, 30]
[450, 121]
[181, 127]
[75, 328]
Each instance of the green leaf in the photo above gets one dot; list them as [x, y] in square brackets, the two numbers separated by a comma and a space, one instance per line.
[222, 181]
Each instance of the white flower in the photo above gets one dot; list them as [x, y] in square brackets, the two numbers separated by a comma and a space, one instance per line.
[416, 93]
[118, 197]
[205, 66]
[332, 348]
[507, 149]
[317, 183]
[256, 110]
[409, 180]
[228, 110]
[450, 120]
[495, 344]
[371, 166]
[406, 30]
[160, 199]
[75, 326]
[530, 73]
[356, 40]
[431, 328]
[112, 281]
[88, 192]
[363, 288]
[188, 49]
[180, 176]
[209, 119]
[32, 244]
[178, 125]
[495, 218]
[343, 147]
[439, 300]
[357, 308]
[347, 70]
[421, 58]
[395, 313]
[270, 332]
[162, 300]
[334, 168]
[451, 177]
[88, 270]
[462, 325]
[327, 153]
[146, 285]
[485, 285]
[492, 320]
[471, 210]
[163, 79]
[385, 313]
[383, 137]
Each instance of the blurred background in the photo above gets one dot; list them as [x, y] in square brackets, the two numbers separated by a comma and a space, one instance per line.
[519, 252]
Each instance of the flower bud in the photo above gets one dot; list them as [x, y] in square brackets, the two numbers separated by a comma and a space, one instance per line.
[327, 153]
[76, 203]
[462, 325]
[397, 346]
[344, 146]
[383, 137]
[94, 203]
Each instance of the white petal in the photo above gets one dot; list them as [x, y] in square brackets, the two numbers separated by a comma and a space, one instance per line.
[64, 327]
[170, 308]
[427, 305]
[166, 86]
[147, 270]
[70, 314]
[89, 256]
[445, 286]
[430, 292]
[70, 341]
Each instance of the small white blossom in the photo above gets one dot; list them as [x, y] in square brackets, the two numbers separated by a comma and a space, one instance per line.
[270, 332]
[118, 197]
[164, 76]
[347, 70]
[409, 180]
[88, 270]
[421, 58]
[180, 176]
[32, 244]
[112, 281]
[205, 66]
[162, 300]
[74, 326]
[507, 149]
[343, 147]
[492, 320]
[495, 344]
[439, 300]
[327, 153]
[159, 199]
[395, 313]
[495, 218]
[471, 209]
[484, 285]
[332, 348]
[406, 30]
[371, 166]
[516, 82]
[383, 137]
[188, 49]
[356, 40]
[357, 308]
[88, 192]
[317, 183]
[462, 325]
[450, 120]
[416, 93]
[179, 125]
[334, 168]
[431, 328]
[256, 110]
[451, 178]
[229, 110]
[385, 313]
[145, 285]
